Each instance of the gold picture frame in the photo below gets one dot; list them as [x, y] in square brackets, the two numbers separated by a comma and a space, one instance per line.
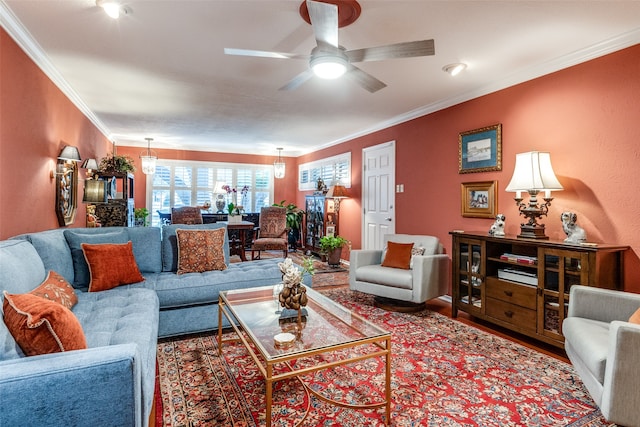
[479, 199]
[480, 150]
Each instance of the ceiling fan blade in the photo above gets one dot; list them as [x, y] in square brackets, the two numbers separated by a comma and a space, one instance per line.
[324, 20]
[264, 53]
[364, 79]
[392, 51]
[295, 82]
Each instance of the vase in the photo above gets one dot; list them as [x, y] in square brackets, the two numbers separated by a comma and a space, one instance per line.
[220, 203]
[294, 298]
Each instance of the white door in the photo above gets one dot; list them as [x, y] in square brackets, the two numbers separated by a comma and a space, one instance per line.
[378, 194]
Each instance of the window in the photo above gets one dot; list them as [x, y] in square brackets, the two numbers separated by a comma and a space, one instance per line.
[179, 183]
[332, 170]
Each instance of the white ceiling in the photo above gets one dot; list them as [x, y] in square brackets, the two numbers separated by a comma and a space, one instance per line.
[160, 71]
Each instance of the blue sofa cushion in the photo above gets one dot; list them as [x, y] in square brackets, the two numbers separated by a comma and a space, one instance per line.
[53, 250]
[170, 243]
[21, 270]
[75, 240]
[146, 248]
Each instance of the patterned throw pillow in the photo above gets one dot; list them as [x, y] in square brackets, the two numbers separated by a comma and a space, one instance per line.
[200, 250]
[111, 265]
[56, 288]
[398, 255]
[635, 317]
[416, 251]
[40, 326]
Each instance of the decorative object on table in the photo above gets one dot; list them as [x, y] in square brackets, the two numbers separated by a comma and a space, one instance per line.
[497, 228]
[331, 247]
[284, 339]
[479, 199]
[575, 233]
[321, 187]
[114, 163]
[233, 208]
[148, 159]
[480, 150]
[294, 222]
[294, 294]
[532, 174]
[141, 215]
[66, 176]
[92, 219]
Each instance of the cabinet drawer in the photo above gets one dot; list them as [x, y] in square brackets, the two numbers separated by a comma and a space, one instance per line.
[519, 316]
[513, 293]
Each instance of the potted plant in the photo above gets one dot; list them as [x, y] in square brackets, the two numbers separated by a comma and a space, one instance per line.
[331, 246]
[114, 163]
[140, 215]
[294, 222]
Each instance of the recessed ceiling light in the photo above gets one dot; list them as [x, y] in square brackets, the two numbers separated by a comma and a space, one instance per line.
[113, 8]
[454, 69]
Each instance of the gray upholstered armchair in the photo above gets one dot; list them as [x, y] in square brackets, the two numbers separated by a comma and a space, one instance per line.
[427, 277]
[604, 349]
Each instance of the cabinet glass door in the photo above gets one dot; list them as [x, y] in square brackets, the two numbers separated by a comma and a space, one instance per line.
[471, 276]
[560, 270]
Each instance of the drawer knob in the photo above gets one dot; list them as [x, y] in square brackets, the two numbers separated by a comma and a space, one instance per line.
[509, 314]
[508, 293]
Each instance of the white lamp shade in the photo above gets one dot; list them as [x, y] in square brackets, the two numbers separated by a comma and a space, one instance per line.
[148, 164]
[279, 169]
[533, 171]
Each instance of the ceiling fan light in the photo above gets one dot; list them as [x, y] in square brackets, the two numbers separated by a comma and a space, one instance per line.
[454, 69]
[329, 67]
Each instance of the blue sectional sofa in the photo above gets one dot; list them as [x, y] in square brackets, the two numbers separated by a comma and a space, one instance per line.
[111, 383]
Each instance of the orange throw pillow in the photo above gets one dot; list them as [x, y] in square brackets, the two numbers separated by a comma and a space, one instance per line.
[40, 326]
[635, 317]
[398, 255]
[200, 250]
[111, 265]
[56, 288]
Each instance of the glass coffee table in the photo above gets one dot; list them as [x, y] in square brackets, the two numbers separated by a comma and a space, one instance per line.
[328, 329]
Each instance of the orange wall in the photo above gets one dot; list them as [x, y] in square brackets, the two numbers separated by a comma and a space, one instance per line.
[36, 121]
[587, 116]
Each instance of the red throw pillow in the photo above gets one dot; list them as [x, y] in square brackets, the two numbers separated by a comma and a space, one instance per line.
[398, 255]
[41, 326]
[111, 265]
[56, 288]
[200, 250]
[635, 317]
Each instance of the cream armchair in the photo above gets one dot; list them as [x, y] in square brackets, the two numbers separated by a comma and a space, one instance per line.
[397, 288]
[604, 349]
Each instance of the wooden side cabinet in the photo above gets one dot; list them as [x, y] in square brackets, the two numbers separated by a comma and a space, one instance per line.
[524, 284]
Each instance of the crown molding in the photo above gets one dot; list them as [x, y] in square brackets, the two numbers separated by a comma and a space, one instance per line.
[27, 43]
[597, 50]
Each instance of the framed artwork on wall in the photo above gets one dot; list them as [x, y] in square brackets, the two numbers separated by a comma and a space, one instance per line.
[479, 199]
[480, 150]
[330, 230]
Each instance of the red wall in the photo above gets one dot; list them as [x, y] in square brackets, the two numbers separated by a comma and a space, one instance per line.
[587, 116]
[36, 121]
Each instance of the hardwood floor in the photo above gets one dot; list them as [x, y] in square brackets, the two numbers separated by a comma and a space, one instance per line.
[444, 308]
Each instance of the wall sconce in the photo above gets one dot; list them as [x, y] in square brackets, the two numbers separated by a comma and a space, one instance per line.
[337, 192]
[90, 165]
[148, 159]
[66, 175]
[533, 173]
[279, 166]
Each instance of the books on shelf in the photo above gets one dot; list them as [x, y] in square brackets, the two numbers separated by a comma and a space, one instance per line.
[520, 276]
[520, 259]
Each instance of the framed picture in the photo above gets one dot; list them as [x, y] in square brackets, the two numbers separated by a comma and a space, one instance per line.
[480, 150]
[330, 230]
[479, 199]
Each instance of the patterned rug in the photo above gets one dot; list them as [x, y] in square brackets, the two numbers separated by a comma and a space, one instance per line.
[444, 373]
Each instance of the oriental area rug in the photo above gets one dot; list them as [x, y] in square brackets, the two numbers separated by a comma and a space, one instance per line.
[444, 373]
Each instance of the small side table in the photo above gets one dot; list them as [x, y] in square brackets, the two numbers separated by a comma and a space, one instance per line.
[236, 246]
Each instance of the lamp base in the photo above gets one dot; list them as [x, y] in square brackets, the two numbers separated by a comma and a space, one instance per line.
[532, 232]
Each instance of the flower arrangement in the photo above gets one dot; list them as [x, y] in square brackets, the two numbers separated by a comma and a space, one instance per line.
[294, 294]
[116, 164]
[232, 207]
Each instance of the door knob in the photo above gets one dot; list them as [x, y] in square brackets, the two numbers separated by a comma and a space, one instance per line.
[388, 218]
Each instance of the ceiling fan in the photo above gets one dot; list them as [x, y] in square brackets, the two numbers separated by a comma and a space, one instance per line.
[330, 60]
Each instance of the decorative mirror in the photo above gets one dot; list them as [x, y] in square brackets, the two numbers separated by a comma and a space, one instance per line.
[67, 185]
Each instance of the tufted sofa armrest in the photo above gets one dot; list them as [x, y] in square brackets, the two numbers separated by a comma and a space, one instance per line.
[73, 388]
